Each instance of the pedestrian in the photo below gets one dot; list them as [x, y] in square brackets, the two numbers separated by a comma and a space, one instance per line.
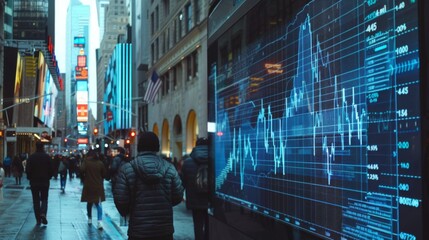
[197, 195]
[94, 172]
[39, 169]
[17, 169]
[7, 163]
[62, 170]
[146, 189]
[118, 159]
[2, 176]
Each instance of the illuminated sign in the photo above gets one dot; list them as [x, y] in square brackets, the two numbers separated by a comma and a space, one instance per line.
[273, 68]
[81, 61]
[79, 42]
[82, 74]
[82, 140]
[82, 112]
[335, 144]
[81, 97]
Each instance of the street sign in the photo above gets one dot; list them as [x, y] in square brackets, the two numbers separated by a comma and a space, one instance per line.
[109, 116]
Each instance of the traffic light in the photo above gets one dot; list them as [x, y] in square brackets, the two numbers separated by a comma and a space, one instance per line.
[133, 135]
[95, 131]
[127, 146]
[65, 140]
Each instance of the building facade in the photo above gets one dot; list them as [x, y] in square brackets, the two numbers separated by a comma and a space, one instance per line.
[33, 79]
[77, 38]
[115, 24]
[178, 53]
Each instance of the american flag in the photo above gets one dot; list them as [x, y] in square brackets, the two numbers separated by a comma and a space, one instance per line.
[153, 87]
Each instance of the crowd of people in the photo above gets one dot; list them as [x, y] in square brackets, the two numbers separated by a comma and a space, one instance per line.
[145, 188]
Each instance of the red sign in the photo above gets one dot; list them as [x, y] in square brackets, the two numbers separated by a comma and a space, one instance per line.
[82, 140]
[82, 112]
[81, 61]
[109, 116]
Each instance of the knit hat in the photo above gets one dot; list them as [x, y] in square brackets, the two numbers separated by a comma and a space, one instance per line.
[148, 141]
[202, 141]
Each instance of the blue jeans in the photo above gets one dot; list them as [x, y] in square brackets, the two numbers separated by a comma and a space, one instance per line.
[99, 210]
[63, 179]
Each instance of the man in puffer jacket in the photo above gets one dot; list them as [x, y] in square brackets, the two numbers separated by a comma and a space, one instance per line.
[146, 189]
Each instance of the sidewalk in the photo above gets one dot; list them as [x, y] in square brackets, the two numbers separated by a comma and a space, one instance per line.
[67, 215]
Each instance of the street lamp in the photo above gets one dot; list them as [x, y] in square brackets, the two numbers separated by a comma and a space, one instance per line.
[114, 106]
[22, 101]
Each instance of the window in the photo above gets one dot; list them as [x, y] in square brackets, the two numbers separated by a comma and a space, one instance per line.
[175, 37]
[197, 11]
[174, 77]
[189, 68]
[195, 63]
[152, 23]
[189, 23]
[179, 26]
[157, 49]
[166, 6]
[167, 81]
[152, 53]
[156, 18]
[167, 39]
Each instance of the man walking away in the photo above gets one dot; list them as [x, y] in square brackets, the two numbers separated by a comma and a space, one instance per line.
[119, 159]
[39, 172]
[195, 180]
[146, 189]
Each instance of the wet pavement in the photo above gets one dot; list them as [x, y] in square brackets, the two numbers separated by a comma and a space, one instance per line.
[67, 215]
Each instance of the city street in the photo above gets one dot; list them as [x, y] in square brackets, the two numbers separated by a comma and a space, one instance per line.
[67, 215]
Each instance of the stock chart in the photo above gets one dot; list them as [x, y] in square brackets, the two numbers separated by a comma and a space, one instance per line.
[318, 122]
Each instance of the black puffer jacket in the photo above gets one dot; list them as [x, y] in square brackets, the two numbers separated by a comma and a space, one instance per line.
[194, 198]
[146, 189]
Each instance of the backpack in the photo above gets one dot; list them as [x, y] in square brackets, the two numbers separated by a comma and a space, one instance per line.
[201, 178]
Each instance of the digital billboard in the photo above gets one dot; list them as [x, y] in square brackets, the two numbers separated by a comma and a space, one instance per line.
[82, 101]
[317, 114]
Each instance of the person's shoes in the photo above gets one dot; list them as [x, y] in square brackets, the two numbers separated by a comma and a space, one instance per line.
[63, 190]
[99, 225]
[43, 220]
[89, 221]
[38, 223]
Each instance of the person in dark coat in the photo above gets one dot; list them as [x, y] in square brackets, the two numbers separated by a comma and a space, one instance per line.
[94, 172]
[39, 171]
[17, 169]
[146, 189]
[197, 200]
[118, 159]
[62, 170]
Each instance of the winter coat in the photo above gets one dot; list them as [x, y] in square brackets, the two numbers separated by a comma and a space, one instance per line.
[94, 172]
[17, 167]
[146, 189]
[116, 164]
[39, 169]
[194, 198]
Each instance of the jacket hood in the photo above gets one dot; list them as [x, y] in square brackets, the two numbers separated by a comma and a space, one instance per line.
[149, 167]
[200, 154]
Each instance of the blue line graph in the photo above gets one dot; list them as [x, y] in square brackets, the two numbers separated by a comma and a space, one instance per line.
[316, 117]
[344, 121]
